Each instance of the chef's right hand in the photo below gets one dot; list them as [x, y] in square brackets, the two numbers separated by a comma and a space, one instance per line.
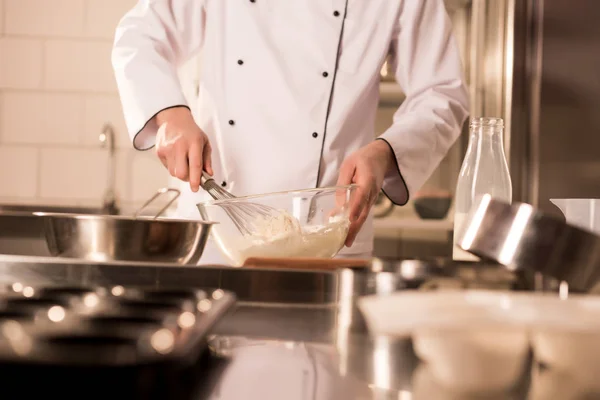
[182, 146]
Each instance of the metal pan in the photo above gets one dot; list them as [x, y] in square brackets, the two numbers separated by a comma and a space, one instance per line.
[523, 238]
[103, 327]
[106, 238]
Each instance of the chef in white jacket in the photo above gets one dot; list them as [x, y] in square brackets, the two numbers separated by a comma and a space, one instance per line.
[289, 94]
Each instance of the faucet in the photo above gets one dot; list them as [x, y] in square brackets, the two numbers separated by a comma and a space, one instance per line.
[107, 138]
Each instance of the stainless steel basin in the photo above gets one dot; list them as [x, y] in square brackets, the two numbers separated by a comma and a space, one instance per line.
[19, 208]
[22, 232]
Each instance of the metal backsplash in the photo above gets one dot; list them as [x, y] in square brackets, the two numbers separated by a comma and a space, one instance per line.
[556, 145]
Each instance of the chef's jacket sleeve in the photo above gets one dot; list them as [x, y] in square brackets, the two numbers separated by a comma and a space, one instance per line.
[426, 61]
[151, 42]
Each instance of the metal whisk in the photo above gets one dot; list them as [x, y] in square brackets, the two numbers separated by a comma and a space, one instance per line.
[241, 213]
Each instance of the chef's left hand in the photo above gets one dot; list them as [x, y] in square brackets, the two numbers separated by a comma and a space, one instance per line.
[366, 167]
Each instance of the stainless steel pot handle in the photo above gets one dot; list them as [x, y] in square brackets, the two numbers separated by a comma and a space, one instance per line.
[159, 193]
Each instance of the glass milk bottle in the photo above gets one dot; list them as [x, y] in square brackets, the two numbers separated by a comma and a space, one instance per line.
[484, 170]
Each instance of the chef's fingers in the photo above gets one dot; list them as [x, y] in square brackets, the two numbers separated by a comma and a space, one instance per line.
[359, 200]
[181, 160]
[338, 208]
[345, 177]
[162, 154]
[162, 159]
[171, 166]
[195, 165]
[355, 226]
[346, 173]
[207, 157]
[351, 235]
[340, 199]
[352, 231]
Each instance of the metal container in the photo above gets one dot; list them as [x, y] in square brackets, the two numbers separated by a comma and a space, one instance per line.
[106, 326]
[115, 341]
[523, 238]
[105, 238]
[383, 206]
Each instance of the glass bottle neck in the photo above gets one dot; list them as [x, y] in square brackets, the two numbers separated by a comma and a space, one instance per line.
[486, 134]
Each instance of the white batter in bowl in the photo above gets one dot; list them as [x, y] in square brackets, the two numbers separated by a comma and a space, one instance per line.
[307, 223]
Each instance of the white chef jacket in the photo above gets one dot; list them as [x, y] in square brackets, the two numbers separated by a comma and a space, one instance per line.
[289, 89]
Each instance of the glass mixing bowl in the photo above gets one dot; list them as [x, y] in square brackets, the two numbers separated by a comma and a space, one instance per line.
[302, 223]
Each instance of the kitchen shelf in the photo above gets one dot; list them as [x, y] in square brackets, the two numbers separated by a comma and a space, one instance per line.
[414, 224]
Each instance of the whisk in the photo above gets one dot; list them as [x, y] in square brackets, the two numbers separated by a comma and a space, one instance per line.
[242, 213]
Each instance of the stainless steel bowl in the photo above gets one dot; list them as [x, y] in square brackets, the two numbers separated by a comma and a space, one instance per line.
[522, 238]
[113, 238]
[106, 238]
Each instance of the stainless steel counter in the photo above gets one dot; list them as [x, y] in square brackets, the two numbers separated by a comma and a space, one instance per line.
[294, 335]
[333, 366]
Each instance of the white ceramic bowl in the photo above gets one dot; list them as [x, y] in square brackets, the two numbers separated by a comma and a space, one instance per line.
[476, 358]
[572, 347]
[549, 384]
[480, 339]
[426, 386]
[401, 313]
[573, 352]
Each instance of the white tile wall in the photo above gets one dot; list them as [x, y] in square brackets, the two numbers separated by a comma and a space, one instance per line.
[77, 65]
[57, 90]
[72, 173]
[30, 117]
[102, 16]
[1, 17]
[146, 169]
[99, 108]
[44, 18]
[124, 177]
[21, 63]
[18, 171]
[76, 173]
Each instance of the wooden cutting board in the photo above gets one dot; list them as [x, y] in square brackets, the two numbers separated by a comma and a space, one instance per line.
[306, 263]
